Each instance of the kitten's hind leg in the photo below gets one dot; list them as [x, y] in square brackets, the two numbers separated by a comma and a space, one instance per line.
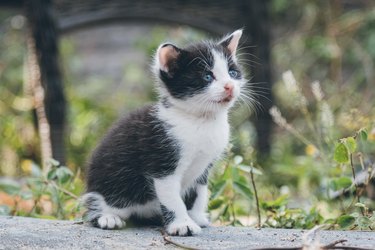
[99, 214]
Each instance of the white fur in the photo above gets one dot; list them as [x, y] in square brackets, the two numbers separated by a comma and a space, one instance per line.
[198, 211]
[110, 217]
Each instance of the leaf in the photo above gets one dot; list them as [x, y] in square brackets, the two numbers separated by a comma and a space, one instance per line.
[364, 222]
[54, 163]
[341, 183]
[341, 154]
[275, 204]
[216, 203]
[237, 159]
[345, 221]
[363, 134]
[63, 174]
[243, 189]
[218, 188]
[248, 169]
[351, 144]
[35, 170]
[361, 205]
[51, 175]
[10, 186]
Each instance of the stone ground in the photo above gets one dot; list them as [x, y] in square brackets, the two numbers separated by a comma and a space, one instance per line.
[29, 233]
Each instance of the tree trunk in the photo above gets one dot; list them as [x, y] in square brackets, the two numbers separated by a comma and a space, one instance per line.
[44, 36]
[257, 28]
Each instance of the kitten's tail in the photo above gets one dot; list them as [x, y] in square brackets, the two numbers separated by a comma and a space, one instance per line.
[94, 203]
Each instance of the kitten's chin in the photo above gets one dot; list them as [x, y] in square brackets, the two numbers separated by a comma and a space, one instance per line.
[226, 101]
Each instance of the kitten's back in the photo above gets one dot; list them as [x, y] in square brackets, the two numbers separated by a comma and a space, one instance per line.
[135, 150]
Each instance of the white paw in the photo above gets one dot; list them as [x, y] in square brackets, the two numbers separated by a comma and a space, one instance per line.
[183, 228]
[110, 221]
[200, 218]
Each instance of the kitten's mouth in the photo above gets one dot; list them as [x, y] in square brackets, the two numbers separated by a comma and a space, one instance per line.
[226, 99]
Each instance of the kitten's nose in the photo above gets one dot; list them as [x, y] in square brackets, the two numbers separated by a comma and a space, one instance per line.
[229, 89]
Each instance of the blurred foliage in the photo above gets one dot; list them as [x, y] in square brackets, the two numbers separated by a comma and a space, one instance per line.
[51, 196]
[323, 56]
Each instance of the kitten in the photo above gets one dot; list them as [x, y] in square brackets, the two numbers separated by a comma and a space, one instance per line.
[155, 162]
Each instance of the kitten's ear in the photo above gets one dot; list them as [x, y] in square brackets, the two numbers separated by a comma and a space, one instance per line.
[166, 55]
[231, 41]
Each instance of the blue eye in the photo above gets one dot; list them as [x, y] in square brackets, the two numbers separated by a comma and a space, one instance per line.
[208, 77]
[234, 73]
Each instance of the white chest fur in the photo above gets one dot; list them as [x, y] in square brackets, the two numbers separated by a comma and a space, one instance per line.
[201, 141]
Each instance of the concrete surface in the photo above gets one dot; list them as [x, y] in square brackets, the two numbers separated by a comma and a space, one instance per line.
[29, 233]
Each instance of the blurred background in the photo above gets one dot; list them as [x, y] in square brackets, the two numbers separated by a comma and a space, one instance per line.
[304, 157]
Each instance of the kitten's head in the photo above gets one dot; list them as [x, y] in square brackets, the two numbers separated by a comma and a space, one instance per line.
[203, 78]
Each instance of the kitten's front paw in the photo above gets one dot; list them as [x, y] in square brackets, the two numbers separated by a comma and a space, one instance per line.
[110, 221]
[200, 218]
[183, 228]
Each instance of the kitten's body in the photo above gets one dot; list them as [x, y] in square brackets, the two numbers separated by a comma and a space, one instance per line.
[155, 162]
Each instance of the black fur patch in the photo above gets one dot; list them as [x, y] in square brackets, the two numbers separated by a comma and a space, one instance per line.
[203, 179]
[190, 198]
[136, 150]
[168, 215]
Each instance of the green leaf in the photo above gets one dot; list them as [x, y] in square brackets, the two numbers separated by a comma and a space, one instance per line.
[363, 134]
[63, 174]
[341, 154]
[51, 175]
[351, 144]
[216, 203]
[344, 182]
[341, 183]
[248, 169]
[243, 189]
[275, 204]
[329, 221]
[218, 188]
[10, 186]
[345, 221]
[364, 222]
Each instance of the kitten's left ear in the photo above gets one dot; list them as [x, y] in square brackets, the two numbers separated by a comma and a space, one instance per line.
[231, 41]
[166, 55]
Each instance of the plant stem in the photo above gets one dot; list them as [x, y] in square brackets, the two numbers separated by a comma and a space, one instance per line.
[256, 198]
[64, 190]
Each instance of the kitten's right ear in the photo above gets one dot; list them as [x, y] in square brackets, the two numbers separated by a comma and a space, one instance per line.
[166, 55]
[231, 41]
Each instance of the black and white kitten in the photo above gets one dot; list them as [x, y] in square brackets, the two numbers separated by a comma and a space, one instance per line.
[155, 162]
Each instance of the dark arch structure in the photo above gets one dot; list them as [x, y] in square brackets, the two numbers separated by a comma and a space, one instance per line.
[214, 16]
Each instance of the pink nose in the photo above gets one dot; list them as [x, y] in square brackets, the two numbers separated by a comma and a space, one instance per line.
[228, 89]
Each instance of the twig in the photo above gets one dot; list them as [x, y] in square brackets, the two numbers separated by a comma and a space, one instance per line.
[353, 173]
[256, 197]
[333, 244]
[357, 193]
[168, 239]
[64, 190]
